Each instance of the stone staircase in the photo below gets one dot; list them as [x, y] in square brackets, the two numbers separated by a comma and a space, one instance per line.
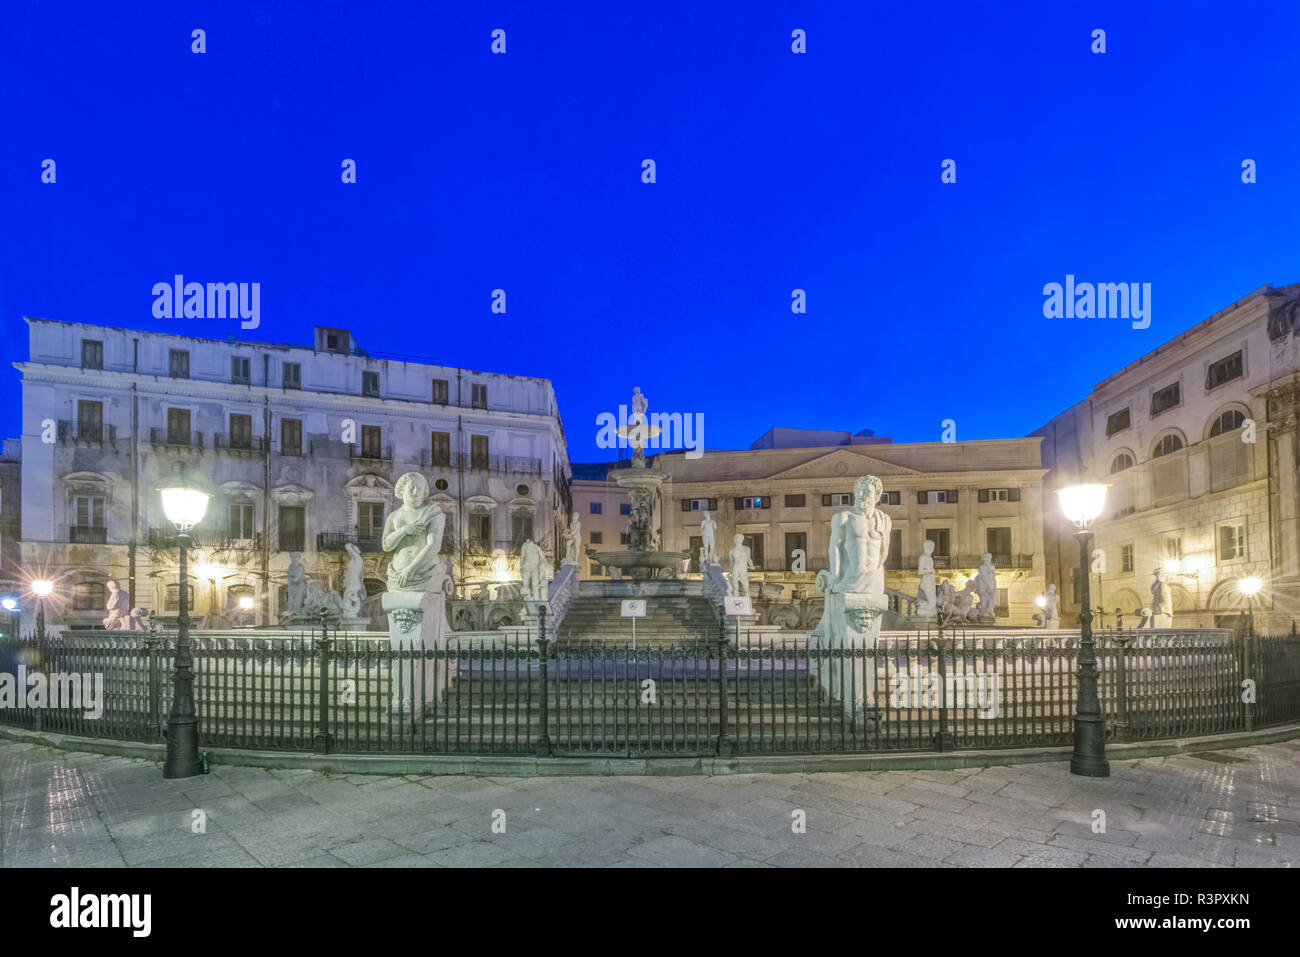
[668, 618]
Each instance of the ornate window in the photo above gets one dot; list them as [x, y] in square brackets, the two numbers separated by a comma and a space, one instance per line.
[1227, 422]
[1122, 462]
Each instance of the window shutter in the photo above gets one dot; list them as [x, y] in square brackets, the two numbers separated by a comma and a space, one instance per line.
[686, 505]
[1013, 494]
[713, 505]
[984, 495]
[739, 503]
[767, 501]
[826, 500]
[920, 498]
[952, 495]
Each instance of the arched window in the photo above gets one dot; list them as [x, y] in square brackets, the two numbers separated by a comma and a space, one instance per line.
[1169, 443]
[1122, 461]
[1228, 422]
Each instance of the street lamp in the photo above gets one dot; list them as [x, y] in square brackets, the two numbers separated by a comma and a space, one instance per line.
[1249, 587]
[42, 588]
[184, 503]
[1081, 504]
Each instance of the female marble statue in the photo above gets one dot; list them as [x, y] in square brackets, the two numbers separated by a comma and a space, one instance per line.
[986, 586]
[573, 541]
[414, 534]
[296, 579]
[354, 589]
[926, 596]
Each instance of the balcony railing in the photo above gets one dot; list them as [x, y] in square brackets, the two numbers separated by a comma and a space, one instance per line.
[87, 535]
[176, 439]
[301, 450]
[165, 537]
[86, 433]
[359, 453]
[291, 541]
[234, 542]
[225, 442]
[336, 540]
[512, 464]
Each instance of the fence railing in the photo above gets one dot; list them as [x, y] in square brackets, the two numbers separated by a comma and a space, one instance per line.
[760, 693]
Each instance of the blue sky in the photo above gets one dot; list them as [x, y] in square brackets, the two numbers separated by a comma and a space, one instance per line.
[775, 171]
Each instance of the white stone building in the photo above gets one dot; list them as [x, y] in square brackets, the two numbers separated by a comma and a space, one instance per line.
[1197, 440]
[301, 445]
[968, 497]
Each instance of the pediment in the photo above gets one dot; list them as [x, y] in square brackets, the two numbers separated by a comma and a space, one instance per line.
[841, 463]
[369, 480]
[87, 479]
[238, 489]
[292, 494]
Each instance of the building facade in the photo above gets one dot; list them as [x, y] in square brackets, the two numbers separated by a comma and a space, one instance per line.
[1197, 441]
[967, 497]
[301, 447]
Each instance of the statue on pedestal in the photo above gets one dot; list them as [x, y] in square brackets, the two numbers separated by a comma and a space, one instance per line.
[708, 527]
[926, 598]
[417, 579]
[854, 585]
[986, 587]
[296, 579]
[946, 599]
[1162, 603]
[354, 589]
[638, 423]
[738, 580]
[964, 601]
[531, 565]
[1051, 608]
[118, 607]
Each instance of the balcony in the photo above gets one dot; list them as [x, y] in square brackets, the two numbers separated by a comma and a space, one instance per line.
[291, 541]
[88, 535]
[82, 433]
[238, 543]
[299, 451]
[430, 461]
[167, 438]
[250, 444]
[507, 464]
[164, 537]
[371, 454]
[336, 540]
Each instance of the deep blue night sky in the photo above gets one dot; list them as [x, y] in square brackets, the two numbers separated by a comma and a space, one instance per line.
[776, 171]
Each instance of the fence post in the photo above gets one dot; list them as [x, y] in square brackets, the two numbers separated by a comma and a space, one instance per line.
[944, 739]
[322, 740]
[543, 747]
[725, 746]
[1121, 730]
[1247, 641]
[153, 725]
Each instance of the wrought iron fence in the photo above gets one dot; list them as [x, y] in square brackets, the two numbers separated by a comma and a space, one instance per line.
[760, 694]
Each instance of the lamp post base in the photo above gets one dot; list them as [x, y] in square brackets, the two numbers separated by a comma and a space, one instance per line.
[1089, 758]
[183, 759]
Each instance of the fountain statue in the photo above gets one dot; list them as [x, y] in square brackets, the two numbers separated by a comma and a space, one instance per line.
[645, 557]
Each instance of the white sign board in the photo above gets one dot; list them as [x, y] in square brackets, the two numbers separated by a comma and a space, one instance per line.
[633, 607]
[737, 605]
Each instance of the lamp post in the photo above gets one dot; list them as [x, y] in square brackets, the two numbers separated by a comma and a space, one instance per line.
[184, 503]
[1081, 504]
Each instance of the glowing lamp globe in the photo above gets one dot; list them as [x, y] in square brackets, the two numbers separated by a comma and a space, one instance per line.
[1173, 566]
[1040, 601]
[42, 588]
[246, 603]
[183, 503]
[8, 604]
[1249, 586]
[1081, 504]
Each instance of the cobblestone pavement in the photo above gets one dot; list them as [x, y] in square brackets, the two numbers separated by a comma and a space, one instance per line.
[1232, 808]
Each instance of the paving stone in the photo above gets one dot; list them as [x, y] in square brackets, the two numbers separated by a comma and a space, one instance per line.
[78, 809]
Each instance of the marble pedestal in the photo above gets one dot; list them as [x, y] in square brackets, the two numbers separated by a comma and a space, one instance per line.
[417, 621]
[851, 620]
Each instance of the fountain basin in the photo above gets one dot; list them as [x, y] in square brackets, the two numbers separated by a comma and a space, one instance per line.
[641, 565]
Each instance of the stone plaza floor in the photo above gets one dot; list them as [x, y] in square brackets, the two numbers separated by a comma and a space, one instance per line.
[1217, 809]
